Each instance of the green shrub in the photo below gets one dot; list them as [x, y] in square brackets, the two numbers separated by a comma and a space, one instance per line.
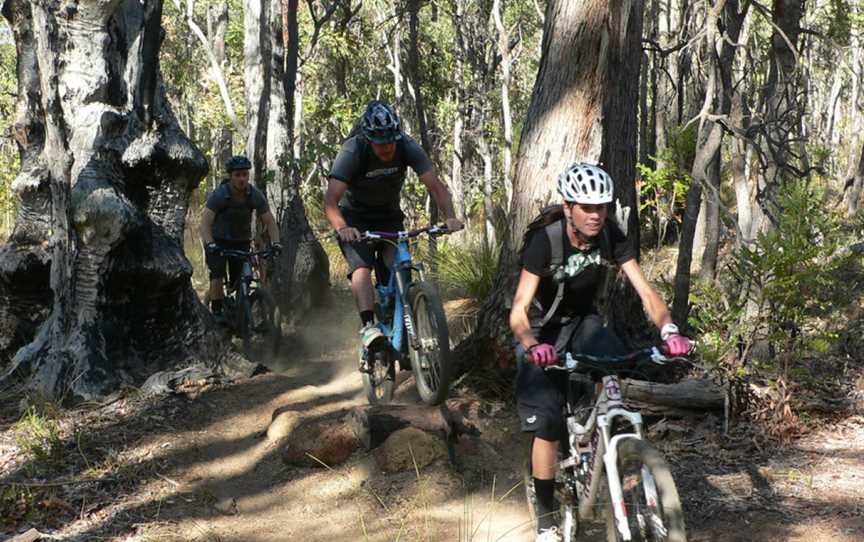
[468, 272]
[777, 289]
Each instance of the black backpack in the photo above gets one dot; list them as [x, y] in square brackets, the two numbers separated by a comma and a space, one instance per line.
[551, 221]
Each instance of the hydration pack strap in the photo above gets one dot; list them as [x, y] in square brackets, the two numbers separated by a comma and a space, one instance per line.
[555, 232]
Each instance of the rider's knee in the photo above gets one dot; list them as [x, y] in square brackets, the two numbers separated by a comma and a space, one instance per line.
[550, 429]
[361, 273]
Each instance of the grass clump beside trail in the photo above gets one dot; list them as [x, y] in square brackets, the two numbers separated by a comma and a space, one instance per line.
[469, 271]
[37, 434]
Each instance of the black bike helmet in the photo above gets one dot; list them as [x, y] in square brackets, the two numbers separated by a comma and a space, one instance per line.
[237, 162]
[380, 123]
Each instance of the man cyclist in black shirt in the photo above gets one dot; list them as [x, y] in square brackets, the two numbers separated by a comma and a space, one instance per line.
[563, 260]
[226, 223]
[363, 194]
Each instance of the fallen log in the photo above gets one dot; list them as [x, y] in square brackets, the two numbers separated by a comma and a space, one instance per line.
[682, 399]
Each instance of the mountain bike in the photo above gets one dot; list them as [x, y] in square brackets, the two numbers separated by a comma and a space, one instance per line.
[605, 459]
[410, 314]
[250, 310]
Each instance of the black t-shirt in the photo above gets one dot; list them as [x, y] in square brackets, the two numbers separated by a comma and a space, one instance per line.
[583, 270]
[233, 220]
[374, 186]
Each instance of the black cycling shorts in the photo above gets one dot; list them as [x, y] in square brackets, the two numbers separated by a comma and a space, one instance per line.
[217, 263]
[368, 254]
[540, 395]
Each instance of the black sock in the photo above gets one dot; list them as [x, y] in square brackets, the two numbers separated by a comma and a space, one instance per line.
[367, 317]
[544, 490]
[216, 305]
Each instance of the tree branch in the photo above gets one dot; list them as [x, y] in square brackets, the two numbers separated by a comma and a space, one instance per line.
[214, 63]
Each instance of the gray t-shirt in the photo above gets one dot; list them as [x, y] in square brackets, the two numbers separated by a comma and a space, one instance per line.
[233, 220]
[374, 186]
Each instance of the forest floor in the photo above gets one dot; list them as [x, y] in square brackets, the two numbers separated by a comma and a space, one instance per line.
[199, 467]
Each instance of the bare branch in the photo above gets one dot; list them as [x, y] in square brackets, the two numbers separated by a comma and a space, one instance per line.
[215, 68]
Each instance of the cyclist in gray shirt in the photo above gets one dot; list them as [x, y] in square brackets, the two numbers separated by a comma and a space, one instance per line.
[363, 194]
[226, 223]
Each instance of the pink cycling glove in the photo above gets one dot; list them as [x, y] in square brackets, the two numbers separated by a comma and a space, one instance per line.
[542, 354]
[677, 345]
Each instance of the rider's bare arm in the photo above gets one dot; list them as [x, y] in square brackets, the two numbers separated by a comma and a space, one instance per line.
[519, 320]
[272, 228]
[439, 193]
[651, 300]
[207, 218]
[335, 190]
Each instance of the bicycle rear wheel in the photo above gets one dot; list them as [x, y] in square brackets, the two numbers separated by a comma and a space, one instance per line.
[379, 384]
[651, 499]
[430, 356]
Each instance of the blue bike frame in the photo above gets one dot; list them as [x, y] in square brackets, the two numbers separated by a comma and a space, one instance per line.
[394, 292]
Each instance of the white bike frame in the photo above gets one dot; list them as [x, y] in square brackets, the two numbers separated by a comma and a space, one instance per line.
[580, 437]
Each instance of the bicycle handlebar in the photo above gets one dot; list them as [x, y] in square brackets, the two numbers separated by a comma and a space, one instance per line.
[584, 363]
[232, 253]
[399, 235]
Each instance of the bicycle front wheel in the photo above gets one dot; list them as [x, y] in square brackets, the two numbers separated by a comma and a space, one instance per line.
[379, 384]
[265, 320]
[244, 320]
[430, 353]
[651, 499]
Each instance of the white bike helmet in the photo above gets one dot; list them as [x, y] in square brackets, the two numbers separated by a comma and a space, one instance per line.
[585, 183]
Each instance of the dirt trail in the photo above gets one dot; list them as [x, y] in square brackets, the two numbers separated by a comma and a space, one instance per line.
[250, 495]
[201, 469]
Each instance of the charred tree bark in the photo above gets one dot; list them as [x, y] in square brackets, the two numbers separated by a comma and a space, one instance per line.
[105, 179]
[583, 107]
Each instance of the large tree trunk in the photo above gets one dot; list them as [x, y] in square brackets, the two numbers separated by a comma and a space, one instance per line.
[506, 117]
[748, 210]
[713, 225]
[485, 152]
[415, 73]
[105, 181]
[780, 101]
[854, 179]
[456, 182]
[224, 142]
[583, 107]
[301, 275]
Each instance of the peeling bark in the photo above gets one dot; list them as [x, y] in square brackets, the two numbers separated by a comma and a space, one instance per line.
[106, 175]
